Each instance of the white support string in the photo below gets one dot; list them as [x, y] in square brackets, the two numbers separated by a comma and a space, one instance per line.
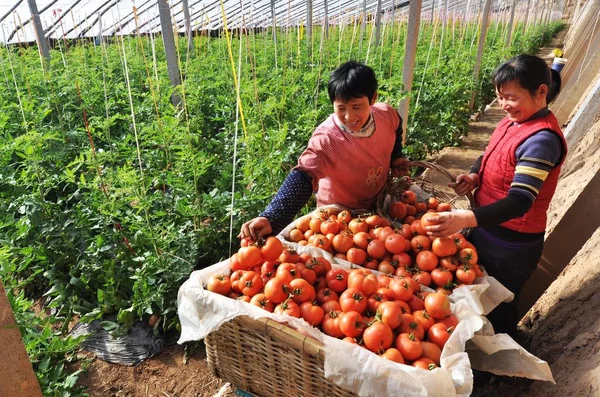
[235, 141]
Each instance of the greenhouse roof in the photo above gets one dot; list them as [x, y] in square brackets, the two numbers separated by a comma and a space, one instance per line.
[89, 18]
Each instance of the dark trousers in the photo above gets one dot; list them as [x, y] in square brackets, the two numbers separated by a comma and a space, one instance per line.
[511, 265]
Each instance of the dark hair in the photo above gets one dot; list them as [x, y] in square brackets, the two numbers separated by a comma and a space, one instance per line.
[530, 72]
[352, 80]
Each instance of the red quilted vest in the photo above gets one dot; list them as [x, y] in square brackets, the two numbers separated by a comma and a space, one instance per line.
[498, 169]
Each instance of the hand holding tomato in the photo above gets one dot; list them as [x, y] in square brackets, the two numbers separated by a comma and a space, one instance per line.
[464, 183]
[447, 223]
[256, 228]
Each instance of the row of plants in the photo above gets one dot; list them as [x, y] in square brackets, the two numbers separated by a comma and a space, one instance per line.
[110, 195]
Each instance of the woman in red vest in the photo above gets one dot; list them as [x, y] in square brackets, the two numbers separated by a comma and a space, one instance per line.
[515, 180]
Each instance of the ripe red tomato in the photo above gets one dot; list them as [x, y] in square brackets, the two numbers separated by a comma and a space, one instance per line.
[439, 334]
[420, 243]
[401, 289]
[277, 290]
[376, 249]
[444, 207]
[466, 274]
[342, 243]
[426, 260]
[384, 232]
[331, 306]
[356, 255]
[432, 203]
[219, 284]
[337, 279]
[411, 326]
[326, 295]
[429, 219]
[397, 210]
[394, 355]
[468, 256]
[363, 280]
[321, 241]
[301, 290]
[409, 197]
[249, 256]
[449, 263]
[353, 299]
[375, 221]
[443, 246]
[437, 305]
[329, 226]
[287, 272]
[288, 307]
[352, 324]
[260, 300]
[390, 313]
[417, 228]
[432, 352]
[424, 363]
[311, 313]
[289, 256]
[449, 321]
[271, 249]
[415, 303]
[409, 346]
[424, 318]
[358, 225]
[250, 283]
[422, 277]
[441, 277]
[395, 243]
[378, 337]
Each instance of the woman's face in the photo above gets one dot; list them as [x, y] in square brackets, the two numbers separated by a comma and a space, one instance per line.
[353, 113]
[518, 102]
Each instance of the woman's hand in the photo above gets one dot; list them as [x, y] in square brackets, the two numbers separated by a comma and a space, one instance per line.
[256, 228]
[464, 183]
[400, 167]
[447, 223]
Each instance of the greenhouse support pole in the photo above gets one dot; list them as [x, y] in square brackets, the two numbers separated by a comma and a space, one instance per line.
[188, 25]
[510, 22]
[325, 19]
[378, 24]
[393, 15]
[39, 31]
[274, 33]
[166, 26]
[526, 16]
[480, 47]
[363, 25]
[410, 52]
[309, 22]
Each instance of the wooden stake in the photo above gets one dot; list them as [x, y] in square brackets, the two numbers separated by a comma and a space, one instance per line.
[408, 69]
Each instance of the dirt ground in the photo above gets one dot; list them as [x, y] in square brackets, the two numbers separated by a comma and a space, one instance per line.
[563, 327]
[165, 375]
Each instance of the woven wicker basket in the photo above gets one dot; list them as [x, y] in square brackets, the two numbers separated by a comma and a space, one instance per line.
[396, 186]
[266, 358]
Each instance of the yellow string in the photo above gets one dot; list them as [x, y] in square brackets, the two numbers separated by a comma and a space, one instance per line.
[235, 80]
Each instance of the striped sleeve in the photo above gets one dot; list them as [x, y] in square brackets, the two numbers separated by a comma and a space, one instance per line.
[536, 157]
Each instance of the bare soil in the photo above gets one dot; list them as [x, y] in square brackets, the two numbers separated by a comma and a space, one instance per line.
[172, 373]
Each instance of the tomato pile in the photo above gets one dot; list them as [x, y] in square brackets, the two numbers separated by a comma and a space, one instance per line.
[386, 314]
[442, 263]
